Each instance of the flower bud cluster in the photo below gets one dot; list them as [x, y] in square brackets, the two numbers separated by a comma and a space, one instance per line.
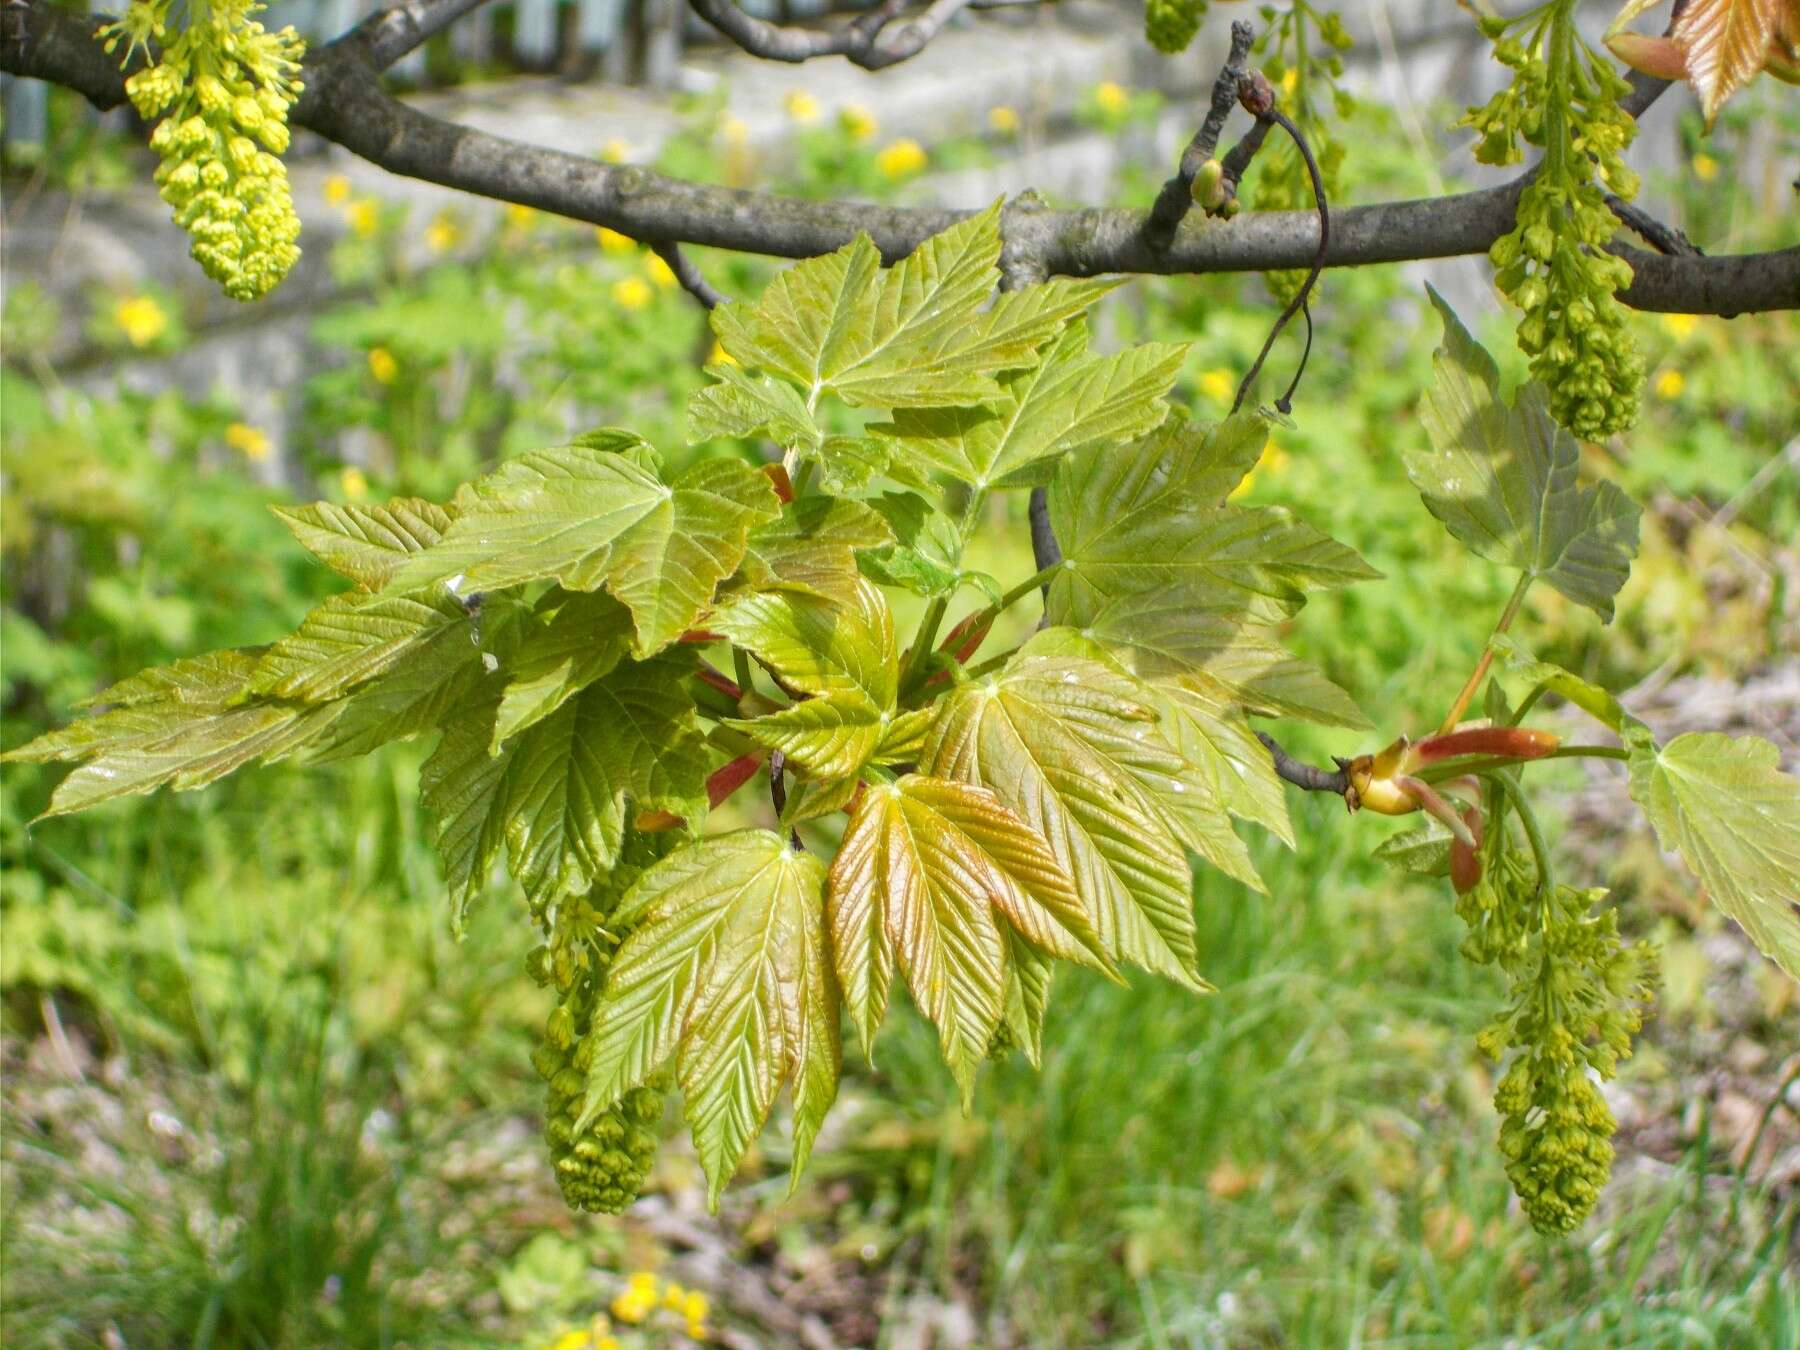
[1553, 263]
[601, 1167]
[1577, 996]
[220, 94]
[1171, 24]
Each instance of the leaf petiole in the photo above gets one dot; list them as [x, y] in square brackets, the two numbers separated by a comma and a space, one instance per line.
[1476, 676]
[1452, 768]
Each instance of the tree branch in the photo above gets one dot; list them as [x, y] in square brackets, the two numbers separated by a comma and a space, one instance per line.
[865, 41]
[344, 102]
[388, 35]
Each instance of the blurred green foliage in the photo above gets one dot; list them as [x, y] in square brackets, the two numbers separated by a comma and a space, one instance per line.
[1304, 1158]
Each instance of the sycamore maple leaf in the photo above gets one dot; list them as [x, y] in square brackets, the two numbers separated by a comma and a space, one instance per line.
[1717, 46]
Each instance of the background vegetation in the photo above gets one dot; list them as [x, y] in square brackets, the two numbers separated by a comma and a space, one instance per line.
[256, 1095]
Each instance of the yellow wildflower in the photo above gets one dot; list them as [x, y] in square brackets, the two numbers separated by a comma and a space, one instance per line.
[519, 217]
[1289, 79]
[604, 1342]
[141, 319]
[718, 356]
[660, 273]
[694, 1307]
[353, 483]
[1003, 120]
[251, 442]
[1272, 461]
[857, 121]
[364, 216]
[1111, 97]
[632, 293]
[611, 241]
[1670, 383]
[615, 151]
[382, 365]
[1218, 385]
[1706, 168]
[570, 1340]
[642, 1282]
[801, 107]
[442, 234]
[1680, 326]
[735, 130]
[633, 1306]
[900, 159]
[336, 190]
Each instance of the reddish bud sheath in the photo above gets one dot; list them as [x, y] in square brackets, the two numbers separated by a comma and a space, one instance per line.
[1465, 862]
[729, 778]
[1498, 742]
[778, 476]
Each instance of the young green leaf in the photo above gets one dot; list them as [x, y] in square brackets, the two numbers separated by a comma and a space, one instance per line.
[1734, 816]
[913, 335]
[1068, 745]
[183, 725]
[843, 655]
[747, 403]
[725, 966]
[1502, 479]
[1026, 996]
[928, 872]
[583, 639]
[351, 638]
[465, 788]
[1154, 560]
[1070, 400]
[368, 544]
[812, 546]
[631, 736]
[1200, 720]
[1424, 852]
[419, 691]
[592, 515]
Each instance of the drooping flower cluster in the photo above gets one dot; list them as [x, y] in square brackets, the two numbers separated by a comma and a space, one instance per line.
[603, 1166]
[220, 94]
[1577, 996]
[1171, 24]
[1565, 99]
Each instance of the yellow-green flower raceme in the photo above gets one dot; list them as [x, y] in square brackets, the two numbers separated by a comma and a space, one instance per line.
[220, 94]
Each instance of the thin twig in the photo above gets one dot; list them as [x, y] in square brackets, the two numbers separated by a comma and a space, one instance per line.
[1665, 239]
[1237, 159]
[690, 277]
[1304, 775]
[1177, 195]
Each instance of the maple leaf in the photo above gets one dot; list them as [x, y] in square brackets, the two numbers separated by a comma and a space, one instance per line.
[841, 654]
[1502, 479]
[1717, 46]
[592, 514]
[1070, 747]
[726, 971]
[912, 335]
[368, 544]
[1723, 803]
[929, 875]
